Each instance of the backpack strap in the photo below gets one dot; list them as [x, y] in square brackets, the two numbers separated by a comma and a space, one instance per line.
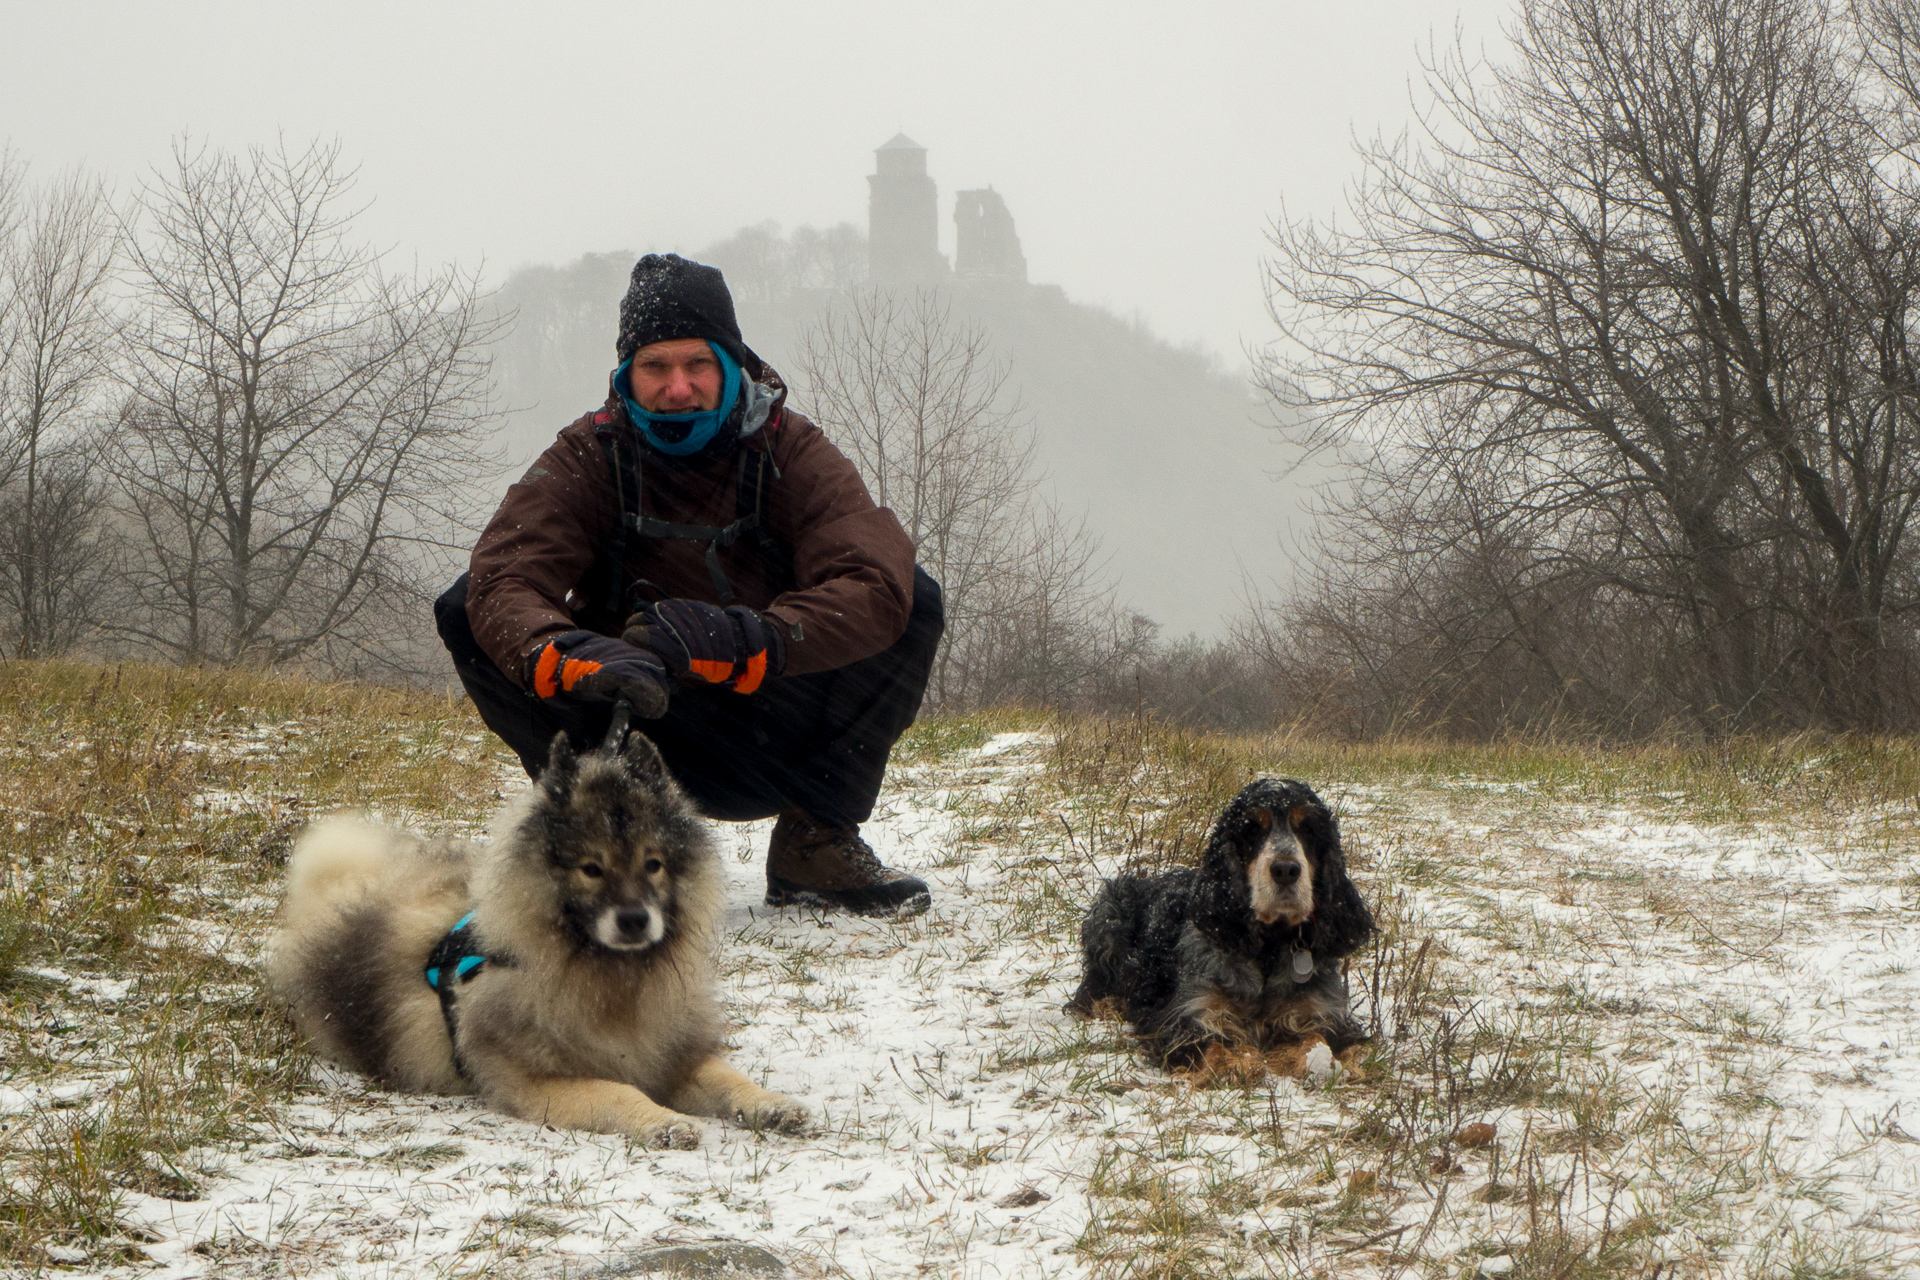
[624, 461]
[754, 495]
[752, 492]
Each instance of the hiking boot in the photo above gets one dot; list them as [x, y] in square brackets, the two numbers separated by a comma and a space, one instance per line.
[811, 864]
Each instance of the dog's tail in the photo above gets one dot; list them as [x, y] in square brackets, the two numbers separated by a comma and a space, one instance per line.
[339, 858]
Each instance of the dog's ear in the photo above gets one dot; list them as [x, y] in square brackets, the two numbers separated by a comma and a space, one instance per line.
[642, 758]
[1220, 892]
[1341, 921]
[557, 778]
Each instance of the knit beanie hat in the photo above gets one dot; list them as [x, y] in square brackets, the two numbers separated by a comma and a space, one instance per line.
[669, 297]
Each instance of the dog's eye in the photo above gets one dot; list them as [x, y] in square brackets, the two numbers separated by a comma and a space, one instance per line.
[654, 866]
[592, 870]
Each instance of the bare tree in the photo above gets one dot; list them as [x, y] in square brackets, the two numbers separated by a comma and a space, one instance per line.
[57, 332]
[10, 180]
[833, 259]
[1625, 337]
[72, 583]
[302, 430]
[923, 409]
[1044, 625]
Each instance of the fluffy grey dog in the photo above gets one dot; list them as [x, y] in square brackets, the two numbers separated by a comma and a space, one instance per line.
[563, 972]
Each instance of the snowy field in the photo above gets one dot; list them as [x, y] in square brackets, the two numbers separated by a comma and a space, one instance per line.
[1697, 1044]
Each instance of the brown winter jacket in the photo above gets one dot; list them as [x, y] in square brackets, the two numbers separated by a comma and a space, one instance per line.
[541, 565]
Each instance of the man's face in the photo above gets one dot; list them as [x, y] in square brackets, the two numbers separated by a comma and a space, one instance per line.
[681, 375]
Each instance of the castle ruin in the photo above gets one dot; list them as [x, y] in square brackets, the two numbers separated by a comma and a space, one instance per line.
[984, 242]
[903, 229]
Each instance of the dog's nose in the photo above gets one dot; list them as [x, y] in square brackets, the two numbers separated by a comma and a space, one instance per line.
[1286, 872]
[633, 921]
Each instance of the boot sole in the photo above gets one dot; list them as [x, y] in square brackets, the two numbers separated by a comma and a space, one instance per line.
[787, 894]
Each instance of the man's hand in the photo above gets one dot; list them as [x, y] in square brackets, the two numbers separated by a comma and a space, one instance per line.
[581, 664]
[733, 646]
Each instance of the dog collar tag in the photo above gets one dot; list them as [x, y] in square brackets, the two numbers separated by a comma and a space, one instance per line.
[1302, 965]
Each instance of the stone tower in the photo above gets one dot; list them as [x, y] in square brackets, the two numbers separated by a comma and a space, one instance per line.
[903, 225]
[984, 242]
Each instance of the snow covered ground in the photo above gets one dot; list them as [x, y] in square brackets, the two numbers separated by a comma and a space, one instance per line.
[1696, 1044]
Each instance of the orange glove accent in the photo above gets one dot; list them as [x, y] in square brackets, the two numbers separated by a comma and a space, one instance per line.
[604, 669]
[553, 673]
[710, 671]
[755, 673]
[734, 646]
[546, 665]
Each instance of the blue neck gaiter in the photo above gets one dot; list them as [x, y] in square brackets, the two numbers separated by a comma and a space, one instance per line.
[679, 434]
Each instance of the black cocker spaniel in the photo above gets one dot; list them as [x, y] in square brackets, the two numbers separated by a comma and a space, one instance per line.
[1241, 951]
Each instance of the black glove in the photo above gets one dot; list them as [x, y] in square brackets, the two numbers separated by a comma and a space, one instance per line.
[733, 646]
[582, 664]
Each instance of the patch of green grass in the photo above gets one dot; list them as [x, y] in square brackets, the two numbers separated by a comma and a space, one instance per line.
[528, 1222]
[1147, 1220]
[1071, 1041]
[976, 1152]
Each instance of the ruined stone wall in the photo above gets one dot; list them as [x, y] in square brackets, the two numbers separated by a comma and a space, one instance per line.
[985, 244]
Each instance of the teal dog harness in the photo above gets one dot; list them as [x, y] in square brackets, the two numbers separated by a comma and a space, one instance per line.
[456, 952]
[455, 959]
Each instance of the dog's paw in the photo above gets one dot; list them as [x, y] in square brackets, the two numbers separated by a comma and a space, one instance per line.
[670, 1135]
[775, 1111]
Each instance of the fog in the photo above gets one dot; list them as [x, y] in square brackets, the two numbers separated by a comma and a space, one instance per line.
[1142, 151]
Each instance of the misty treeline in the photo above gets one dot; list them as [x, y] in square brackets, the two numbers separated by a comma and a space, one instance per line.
[1619, 356]
[229, 432]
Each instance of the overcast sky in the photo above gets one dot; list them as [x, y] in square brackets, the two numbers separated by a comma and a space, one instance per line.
[1142, 148]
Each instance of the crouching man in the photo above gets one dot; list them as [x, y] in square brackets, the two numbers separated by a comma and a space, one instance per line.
[702, 549]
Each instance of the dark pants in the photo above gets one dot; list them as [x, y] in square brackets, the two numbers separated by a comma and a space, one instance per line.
[816, 742]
